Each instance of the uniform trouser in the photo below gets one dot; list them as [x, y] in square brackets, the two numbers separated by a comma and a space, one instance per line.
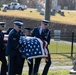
[4, 64]
[30, 67]
[15, 65]
[47, 66]
[37, 64]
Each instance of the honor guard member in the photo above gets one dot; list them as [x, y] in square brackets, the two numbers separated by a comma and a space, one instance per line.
[28, 31]
[2, 50]
[15, 62]
[27, 34]
[43, 33]
[8, 30]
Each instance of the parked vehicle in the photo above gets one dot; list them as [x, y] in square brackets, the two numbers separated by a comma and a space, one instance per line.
[14, 6]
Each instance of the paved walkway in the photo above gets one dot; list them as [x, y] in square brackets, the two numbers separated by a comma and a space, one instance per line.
[52, 67]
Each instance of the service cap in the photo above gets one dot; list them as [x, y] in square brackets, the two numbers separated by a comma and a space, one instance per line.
[28, 29]
[46, 22]
[2, 24]
[18, 23]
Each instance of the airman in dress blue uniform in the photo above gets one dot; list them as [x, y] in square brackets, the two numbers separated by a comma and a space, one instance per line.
[15, 61]
[28, 33]
[2, 50]
[43, 33]
[8, 30]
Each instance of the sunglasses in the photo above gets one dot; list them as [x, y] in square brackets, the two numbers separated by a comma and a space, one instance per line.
[19, 27]
[2, 26]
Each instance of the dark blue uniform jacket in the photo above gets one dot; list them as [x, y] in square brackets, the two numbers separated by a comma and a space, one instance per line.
[44, 36]
[13, 43]
[1, 40]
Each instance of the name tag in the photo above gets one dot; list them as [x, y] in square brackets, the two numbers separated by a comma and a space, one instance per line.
[14, 38]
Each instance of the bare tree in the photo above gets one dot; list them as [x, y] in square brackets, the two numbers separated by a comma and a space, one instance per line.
[69, 3]
[22, 1]
[29, 3]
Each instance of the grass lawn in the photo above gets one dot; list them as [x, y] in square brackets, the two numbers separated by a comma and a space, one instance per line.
[62, 51]
[59, 72]
[69, 18]
[61, 47]
[55, 72]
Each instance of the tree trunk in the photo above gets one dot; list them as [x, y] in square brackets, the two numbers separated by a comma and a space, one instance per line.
[22, 2]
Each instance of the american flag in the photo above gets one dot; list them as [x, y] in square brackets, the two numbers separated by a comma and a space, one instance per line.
[32, 47]
[5, 38]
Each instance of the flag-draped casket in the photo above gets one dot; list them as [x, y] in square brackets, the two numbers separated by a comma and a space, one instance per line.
[5, 38]
[32, 47]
